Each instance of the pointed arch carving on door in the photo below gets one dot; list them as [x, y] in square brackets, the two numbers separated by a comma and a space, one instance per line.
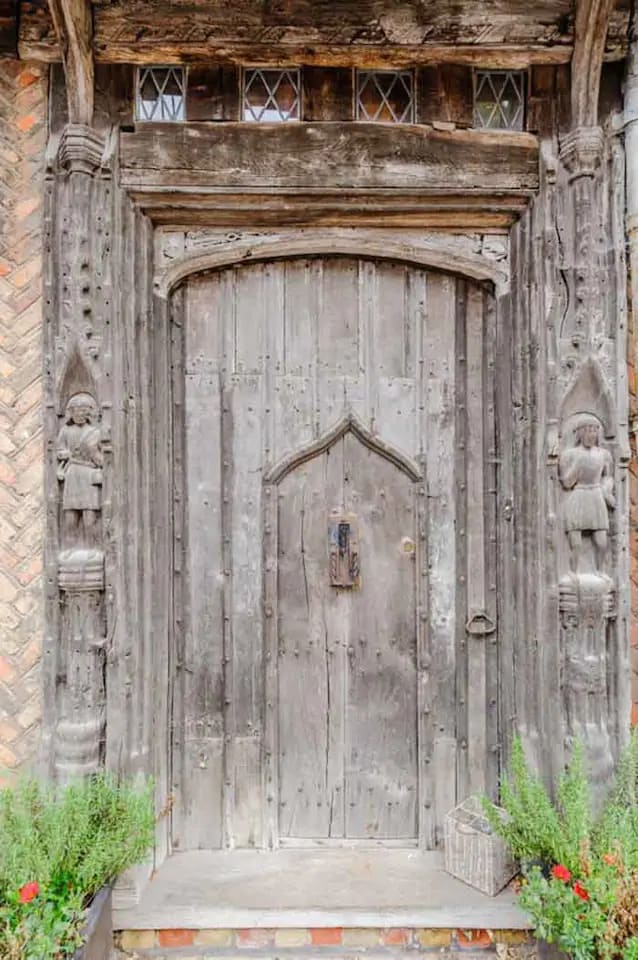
[348, 423]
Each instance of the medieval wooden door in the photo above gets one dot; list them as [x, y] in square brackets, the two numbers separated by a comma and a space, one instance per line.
[328, 451]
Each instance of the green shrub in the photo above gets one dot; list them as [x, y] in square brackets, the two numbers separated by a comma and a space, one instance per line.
[58, 847]
[580, 871]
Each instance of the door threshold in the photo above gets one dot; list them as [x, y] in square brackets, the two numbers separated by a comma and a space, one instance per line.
[314, 888]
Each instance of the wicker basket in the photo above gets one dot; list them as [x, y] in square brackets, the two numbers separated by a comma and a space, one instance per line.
[473, 853]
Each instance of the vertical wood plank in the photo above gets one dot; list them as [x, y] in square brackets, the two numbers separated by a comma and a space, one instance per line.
[243, 469]
[310, 654]
[441, 439]
[475, 543]
[381, 717]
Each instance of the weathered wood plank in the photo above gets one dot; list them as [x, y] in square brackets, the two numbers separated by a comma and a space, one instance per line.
[311, 655]
[496, 34]
[327, 93]
[361, 155]
[212, 93]
[439, 350]
[445, 94]
[475, 539]
[381, 718]
[73, 21]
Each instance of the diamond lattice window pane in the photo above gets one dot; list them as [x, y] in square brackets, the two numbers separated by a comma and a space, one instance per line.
[499, 99]
[160, 94]
[271, 96]
[385, 96]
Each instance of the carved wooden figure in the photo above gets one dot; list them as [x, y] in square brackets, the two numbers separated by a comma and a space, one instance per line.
[586, 471]
[80, 470]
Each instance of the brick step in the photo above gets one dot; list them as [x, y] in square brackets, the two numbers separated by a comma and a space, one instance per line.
[325, 943]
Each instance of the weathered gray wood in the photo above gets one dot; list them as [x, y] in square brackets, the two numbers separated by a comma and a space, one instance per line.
[381, 699]
[302, 343]
[480, 624]
[73, 21]
[590, 32]
[439, 443]
[361, 155]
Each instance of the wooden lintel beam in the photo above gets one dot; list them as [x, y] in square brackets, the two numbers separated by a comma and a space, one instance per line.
[73, 22]
[590, 34]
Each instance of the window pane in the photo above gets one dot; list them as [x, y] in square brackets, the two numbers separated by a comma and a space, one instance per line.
[160, 94]
[499, 99]
[385, 96]
[271, 96]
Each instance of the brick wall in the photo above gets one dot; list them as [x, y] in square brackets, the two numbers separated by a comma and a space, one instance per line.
[23, 130]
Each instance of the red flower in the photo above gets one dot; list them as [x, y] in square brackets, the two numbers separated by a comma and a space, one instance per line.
[559, 872]
[610, 859]
[28, 891]
[580, 891]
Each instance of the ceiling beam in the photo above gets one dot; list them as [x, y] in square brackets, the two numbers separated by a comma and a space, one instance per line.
[73, 22]
[590, 34]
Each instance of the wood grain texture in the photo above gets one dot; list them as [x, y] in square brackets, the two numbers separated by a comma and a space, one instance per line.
[73, 21]
[339, 706]
[338, 156]
[505, 33]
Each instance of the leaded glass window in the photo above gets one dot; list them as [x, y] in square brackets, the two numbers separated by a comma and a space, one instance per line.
[271, 96]
[385, 96]
[499, 99]
[160, 94]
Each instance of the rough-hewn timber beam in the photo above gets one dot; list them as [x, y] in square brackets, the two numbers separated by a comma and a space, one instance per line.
[367, 33]
[73, 21]
[592, 20]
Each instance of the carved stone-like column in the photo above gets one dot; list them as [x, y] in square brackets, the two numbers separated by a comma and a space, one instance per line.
[79, 461]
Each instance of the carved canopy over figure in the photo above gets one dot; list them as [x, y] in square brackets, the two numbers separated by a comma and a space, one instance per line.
[586, 473]
[80, 469]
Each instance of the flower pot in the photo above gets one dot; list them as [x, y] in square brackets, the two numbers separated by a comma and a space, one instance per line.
[98, 929]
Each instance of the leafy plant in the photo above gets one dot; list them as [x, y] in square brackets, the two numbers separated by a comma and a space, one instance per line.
[58, 848]
[580, 871]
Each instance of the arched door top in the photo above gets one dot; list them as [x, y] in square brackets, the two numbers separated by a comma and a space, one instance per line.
[348, 423]
[432, 254]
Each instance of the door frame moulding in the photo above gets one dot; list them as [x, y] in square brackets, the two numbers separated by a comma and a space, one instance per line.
[440, 256]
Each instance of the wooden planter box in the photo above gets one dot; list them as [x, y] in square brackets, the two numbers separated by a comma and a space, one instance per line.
[473, 853]
[98, 929]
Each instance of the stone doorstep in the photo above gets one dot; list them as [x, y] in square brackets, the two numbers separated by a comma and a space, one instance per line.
[324, 943]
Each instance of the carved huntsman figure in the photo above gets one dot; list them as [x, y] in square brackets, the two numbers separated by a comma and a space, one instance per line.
[80, 470]
[586, 473]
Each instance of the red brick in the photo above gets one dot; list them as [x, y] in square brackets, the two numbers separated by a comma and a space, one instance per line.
[326, 936]
[395, 937]
[473, 939]
[7, 673]
[176, 938]
[255, 937]
[27, 122]
[634, 714]
[27, 77]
